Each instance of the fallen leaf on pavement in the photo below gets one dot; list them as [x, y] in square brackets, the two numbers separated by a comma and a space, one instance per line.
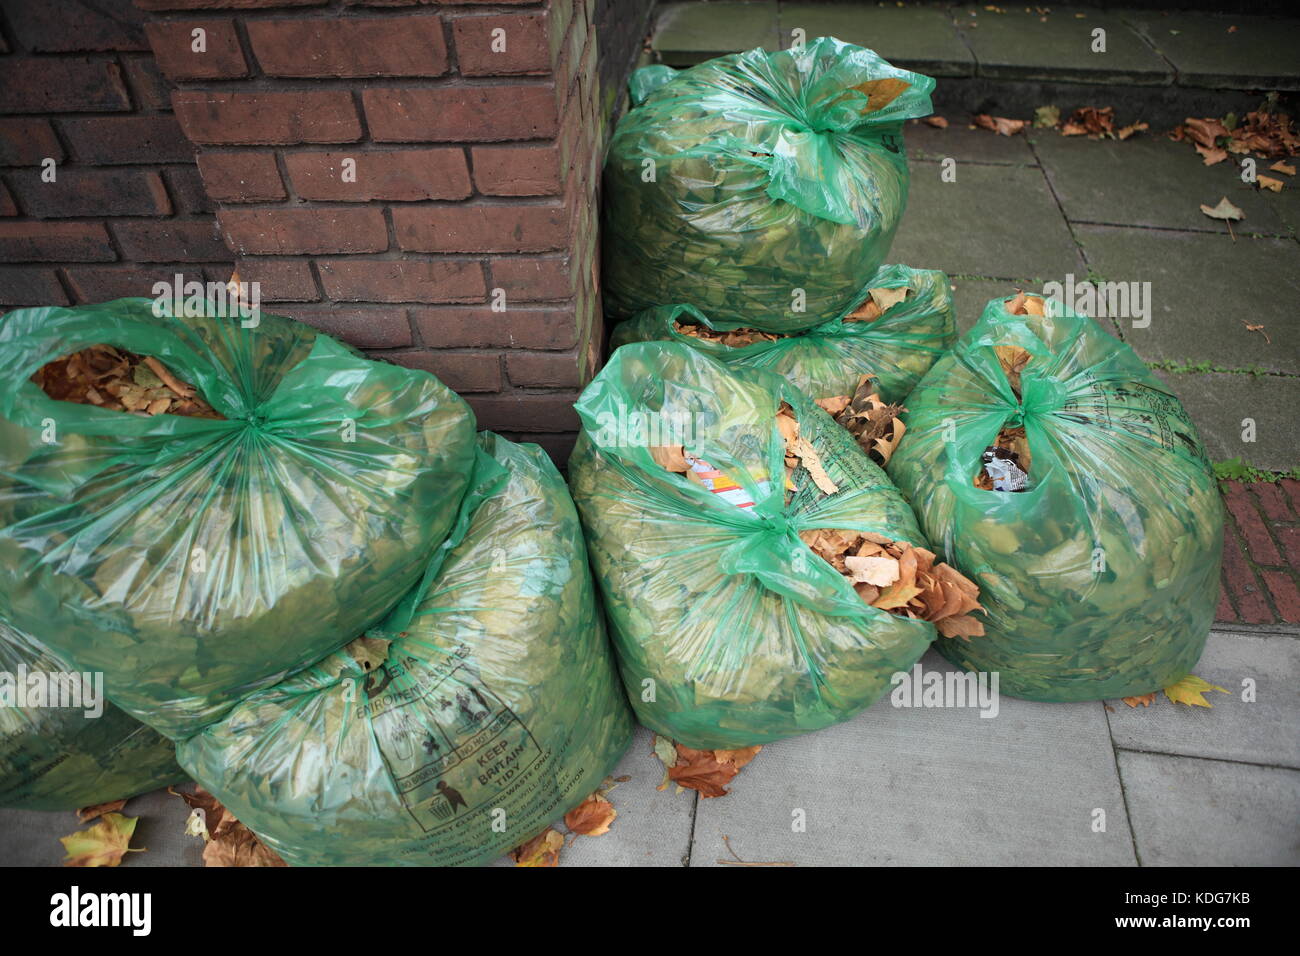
[737, 861]
[938, 122]
[1046, 117]
[1259, 329]
[592, 817]
[1144, 699]
[103, 844]
[86, 814]
[1127, 131]
[1281, 167]
[999, 124]
[227, 842]
[541, 850]
[705, 771]
[1268, 182]
[1191, 690]
[1223, 210]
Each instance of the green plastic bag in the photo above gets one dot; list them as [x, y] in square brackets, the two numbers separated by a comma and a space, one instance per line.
[64, 758]
[741, 181]
[193, 560]
[1102, 577]
[497, 694]
[729, 630]
[826, 360]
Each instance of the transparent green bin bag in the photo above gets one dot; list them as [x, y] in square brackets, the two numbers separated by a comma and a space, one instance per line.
[729, 630]
[1102, 577]
[66, 757]
[193, 560]
[826, 360]
[739, 182]
[498, 701]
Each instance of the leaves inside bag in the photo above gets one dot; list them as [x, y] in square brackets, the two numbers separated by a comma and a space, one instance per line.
[118, 380]
[901, 578]
[873, 422]
[1004, 465]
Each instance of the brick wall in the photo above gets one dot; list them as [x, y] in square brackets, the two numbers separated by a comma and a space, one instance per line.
[417, 179]
[122, 203]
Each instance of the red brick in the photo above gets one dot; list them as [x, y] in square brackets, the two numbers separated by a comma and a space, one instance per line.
[55, 241]
[517, 170]
[1292, 489]
[225, 4]
[469, 228]
[279, 280]
[304, 231]
[1224, 612]
[543, 369]
[92, 193]
[482, 328]
[397, 175]
[102, 283]
[527, 46]
[108, 140]
[387, 46]
[72, 26]
[402, 280]
[60, 85]
[173, 47]
[533, 280]
[1272, 501]
[187, 191]
[1247, 594]
[461, 114]
[21, 286]
[300, 116]
[459, 371]
[1289, 538]
[1259, 543]
[1286, 597]
[375, 328]
[149, 89]
[247, 176]
[526, 412]
[170, 240]
[27, 142]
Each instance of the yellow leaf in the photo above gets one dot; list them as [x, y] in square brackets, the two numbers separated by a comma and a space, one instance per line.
[104, 844]
[1191, 690]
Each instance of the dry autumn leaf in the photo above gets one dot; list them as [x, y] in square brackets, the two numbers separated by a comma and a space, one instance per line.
[1268, 182]
[708, 771]
[227, 842]
[1144, 699]
[118, 380]
[86, 814]
[1191, 690]
[1285, 168]
[999, 124]
[541, 850]
[872, 422]
[1223, 210]
[938, 122]
[880, 93]
[104, 844]
[369, 652]
[592, 817]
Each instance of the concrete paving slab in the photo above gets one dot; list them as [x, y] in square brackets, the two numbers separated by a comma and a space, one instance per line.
[690, 33]
[1205, 289]
[1192, 812]
[996, 221]
[1017, 44]
[653, 828]
[970, 296]
[1260, 54]
[929, 786]
[31, 837]
[916, 38]
[1219, 403]
[1149, 180]
[965, 144]
[1261, 731]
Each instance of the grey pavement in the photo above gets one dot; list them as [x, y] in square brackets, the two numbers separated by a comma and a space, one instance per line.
[1093, 784]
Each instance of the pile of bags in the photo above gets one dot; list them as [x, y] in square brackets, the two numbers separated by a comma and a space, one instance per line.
[207, 514]
[755, 592]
